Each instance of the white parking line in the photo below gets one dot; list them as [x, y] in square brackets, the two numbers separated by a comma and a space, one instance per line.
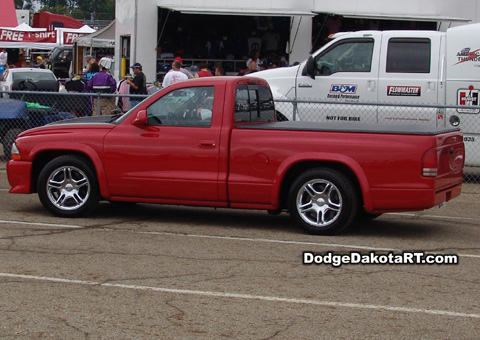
[232, 238]
[435, 216]
[336, 304]
[55, 225]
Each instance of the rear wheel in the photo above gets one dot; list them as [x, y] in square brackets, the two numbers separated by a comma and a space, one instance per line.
[322, 201]
[67, 186]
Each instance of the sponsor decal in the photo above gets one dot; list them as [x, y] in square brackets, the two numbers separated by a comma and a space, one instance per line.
[411, 91]
[468, 98]
[467, 54]
[343, 91]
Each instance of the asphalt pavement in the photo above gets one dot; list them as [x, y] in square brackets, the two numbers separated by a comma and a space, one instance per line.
[174, 272]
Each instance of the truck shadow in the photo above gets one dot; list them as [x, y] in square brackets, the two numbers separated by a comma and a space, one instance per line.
[404, 229]
[194, 217]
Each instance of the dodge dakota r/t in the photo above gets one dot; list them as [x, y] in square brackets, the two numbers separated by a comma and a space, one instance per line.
[215, 142]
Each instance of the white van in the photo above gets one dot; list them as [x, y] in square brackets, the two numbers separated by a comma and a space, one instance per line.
[404, 67]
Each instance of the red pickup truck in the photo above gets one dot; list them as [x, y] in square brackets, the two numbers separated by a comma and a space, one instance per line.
[215, 142]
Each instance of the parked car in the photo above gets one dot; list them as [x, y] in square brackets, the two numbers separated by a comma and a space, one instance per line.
[28, 79]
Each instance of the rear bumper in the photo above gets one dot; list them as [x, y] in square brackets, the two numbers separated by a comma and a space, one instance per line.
[19, 176]
[388, 200]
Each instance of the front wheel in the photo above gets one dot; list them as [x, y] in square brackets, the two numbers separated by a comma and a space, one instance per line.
[67, 187]
[322, 201]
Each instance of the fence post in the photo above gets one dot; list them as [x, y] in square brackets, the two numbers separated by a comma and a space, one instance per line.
[295, 105]
[99, 106]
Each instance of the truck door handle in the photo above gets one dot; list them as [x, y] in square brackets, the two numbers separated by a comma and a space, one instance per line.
[371, 85]
[207, 144]
[304, 85]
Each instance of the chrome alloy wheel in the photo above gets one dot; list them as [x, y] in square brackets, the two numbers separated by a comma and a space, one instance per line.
[68, 188]
[319, 203]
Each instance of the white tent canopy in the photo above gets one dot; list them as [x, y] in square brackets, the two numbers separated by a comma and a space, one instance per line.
[103, 38]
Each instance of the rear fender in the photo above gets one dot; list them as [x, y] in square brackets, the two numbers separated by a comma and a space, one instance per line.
[312, 159]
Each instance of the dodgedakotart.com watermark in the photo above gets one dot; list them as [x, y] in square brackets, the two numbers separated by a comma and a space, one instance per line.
[417, 257]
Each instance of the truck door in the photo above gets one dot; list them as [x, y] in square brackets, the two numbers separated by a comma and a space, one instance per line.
[175, 156]
[344, 72]
[410, 74]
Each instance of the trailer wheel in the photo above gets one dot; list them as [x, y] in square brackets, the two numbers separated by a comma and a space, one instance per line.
[322, 201]
[67, 186]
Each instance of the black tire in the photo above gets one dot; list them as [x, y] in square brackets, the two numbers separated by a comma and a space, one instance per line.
[323, 201]
[68, 187]
[8, 141]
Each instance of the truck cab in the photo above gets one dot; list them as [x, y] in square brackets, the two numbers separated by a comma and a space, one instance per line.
[61, 58]
[390, 70]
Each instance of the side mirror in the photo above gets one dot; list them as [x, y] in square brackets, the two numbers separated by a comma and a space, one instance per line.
[311, 67]
[141, 119]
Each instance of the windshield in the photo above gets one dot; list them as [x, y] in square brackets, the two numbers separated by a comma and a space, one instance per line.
[32, 75]
[60, 54]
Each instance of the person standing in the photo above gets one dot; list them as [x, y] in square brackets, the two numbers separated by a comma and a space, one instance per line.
[102, 82]
[3, 60]
[20, 62]
[138, 85]
[184, 70]
[40, 63]
[204, 72]
[48, 63]
[174, 75]
[90, 60]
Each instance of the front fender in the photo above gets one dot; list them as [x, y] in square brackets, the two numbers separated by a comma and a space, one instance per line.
[76, 148]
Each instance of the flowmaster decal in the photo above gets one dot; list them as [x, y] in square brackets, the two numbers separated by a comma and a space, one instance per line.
[411, 91]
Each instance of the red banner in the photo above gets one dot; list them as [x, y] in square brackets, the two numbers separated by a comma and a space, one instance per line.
[69, 37]
[7, 35]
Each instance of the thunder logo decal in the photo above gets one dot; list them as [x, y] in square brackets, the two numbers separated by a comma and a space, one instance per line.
[467, 55]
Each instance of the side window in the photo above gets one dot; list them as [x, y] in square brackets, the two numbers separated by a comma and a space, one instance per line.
[353, 55]
[190, 106]
[408, 55]
[253, 104]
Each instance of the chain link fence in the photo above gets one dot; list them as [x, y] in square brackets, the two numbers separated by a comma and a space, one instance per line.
[21, 110]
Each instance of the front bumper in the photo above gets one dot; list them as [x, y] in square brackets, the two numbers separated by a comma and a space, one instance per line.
[19, 175]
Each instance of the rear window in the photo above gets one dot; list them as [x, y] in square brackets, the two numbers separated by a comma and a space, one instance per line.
[408, 55]
[253, 104]
[32, 75]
